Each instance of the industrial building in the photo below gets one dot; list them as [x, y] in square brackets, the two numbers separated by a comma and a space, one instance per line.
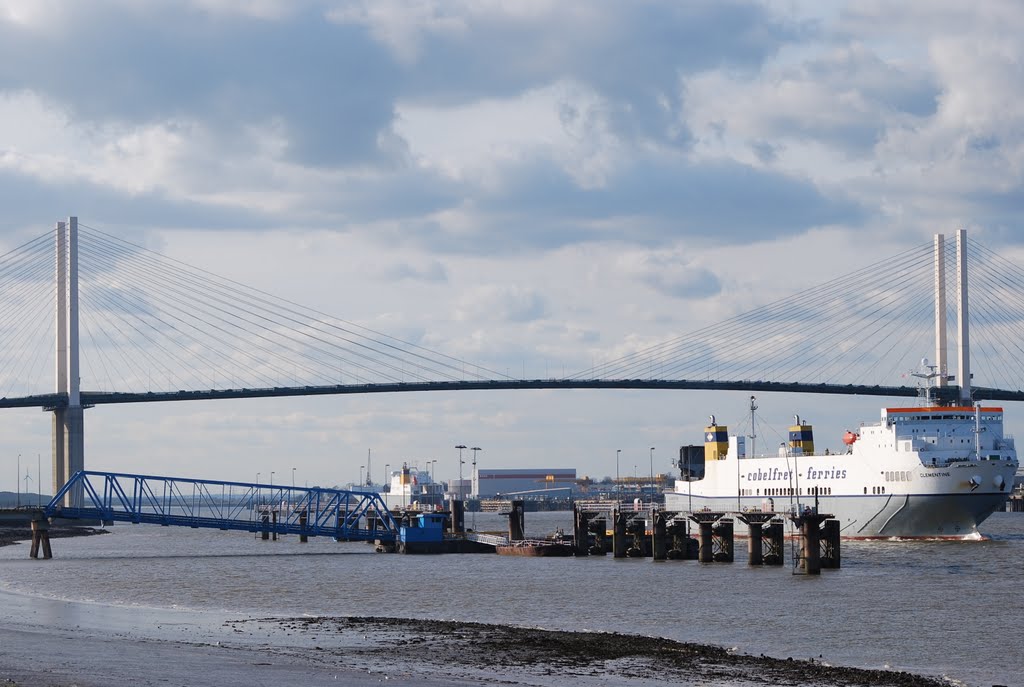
[556, 482]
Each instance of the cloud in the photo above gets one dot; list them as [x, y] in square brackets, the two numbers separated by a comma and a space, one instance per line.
[433, 271]
[493, 303]
[673, 274]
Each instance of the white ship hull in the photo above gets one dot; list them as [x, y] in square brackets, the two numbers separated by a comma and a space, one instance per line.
[917, 474]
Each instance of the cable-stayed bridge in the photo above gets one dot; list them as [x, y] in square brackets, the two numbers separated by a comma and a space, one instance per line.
[92, 319]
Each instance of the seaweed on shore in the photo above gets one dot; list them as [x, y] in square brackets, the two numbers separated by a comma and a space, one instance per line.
[511, 649]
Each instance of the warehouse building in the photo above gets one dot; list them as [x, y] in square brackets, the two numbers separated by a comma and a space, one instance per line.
[523, 482]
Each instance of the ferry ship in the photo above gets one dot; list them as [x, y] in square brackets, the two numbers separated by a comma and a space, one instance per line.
[921, 472]
[413, 489]
[937, 470]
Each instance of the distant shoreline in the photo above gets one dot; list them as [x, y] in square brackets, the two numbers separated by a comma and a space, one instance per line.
[15, 535]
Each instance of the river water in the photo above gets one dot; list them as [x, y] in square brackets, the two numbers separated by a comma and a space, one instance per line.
[949, 609]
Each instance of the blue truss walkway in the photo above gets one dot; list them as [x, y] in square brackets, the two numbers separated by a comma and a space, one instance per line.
[176, 501]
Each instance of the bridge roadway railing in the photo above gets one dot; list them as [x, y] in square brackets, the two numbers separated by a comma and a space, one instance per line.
[245, 506]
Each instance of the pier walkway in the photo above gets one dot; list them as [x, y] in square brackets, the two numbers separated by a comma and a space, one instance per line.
[250, 507]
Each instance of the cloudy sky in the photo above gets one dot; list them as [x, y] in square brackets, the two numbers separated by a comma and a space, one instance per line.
[537, 184]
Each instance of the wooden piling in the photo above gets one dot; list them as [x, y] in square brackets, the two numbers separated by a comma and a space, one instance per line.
[40, 538]
[303, 521]
[619, 542]
[580, 532]
[517, 521]
[265, 522]
[659, 550]
[274, 515]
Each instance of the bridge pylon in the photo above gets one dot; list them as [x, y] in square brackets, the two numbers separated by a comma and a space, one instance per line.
[68, 445]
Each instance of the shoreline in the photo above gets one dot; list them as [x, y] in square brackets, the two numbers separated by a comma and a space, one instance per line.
[469, 650]
[154, 647]
[10, 536]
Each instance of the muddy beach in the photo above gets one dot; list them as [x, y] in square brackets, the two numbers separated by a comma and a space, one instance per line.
[518, 655]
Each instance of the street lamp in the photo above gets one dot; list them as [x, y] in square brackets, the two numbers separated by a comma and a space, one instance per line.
[293, 478]
[652, 474]
[476, 482]
[618, 486]
[17, 480]
[360, 475]
[476, 486]
[460, 447]
[387, 477]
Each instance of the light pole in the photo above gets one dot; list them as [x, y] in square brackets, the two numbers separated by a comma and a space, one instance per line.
[476, 482]
[293, 478]
[360, 475]
[618, 486]
[17, 480]
[387, 477]
[460, 447]
[652, 475]
[476, 486]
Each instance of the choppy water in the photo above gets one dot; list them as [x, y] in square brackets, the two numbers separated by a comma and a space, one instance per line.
[940, 608]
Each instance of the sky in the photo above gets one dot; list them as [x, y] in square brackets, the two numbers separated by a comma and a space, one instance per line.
[536, 185]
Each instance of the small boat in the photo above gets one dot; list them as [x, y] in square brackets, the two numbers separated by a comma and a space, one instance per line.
[534, 547]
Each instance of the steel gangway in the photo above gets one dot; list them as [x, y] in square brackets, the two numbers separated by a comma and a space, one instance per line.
[245, 506]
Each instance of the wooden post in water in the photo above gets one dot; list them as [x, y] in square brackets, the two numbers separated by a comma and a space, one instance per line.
[40, 536]
[619, 543]
[265, 521]
[580, 532]
[659, 550]
[303, 521]
[274, 514]
[517, 521]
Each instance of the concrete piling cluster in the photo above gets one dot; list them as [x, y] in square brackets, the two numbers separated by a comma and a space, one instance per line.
[670, 537]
